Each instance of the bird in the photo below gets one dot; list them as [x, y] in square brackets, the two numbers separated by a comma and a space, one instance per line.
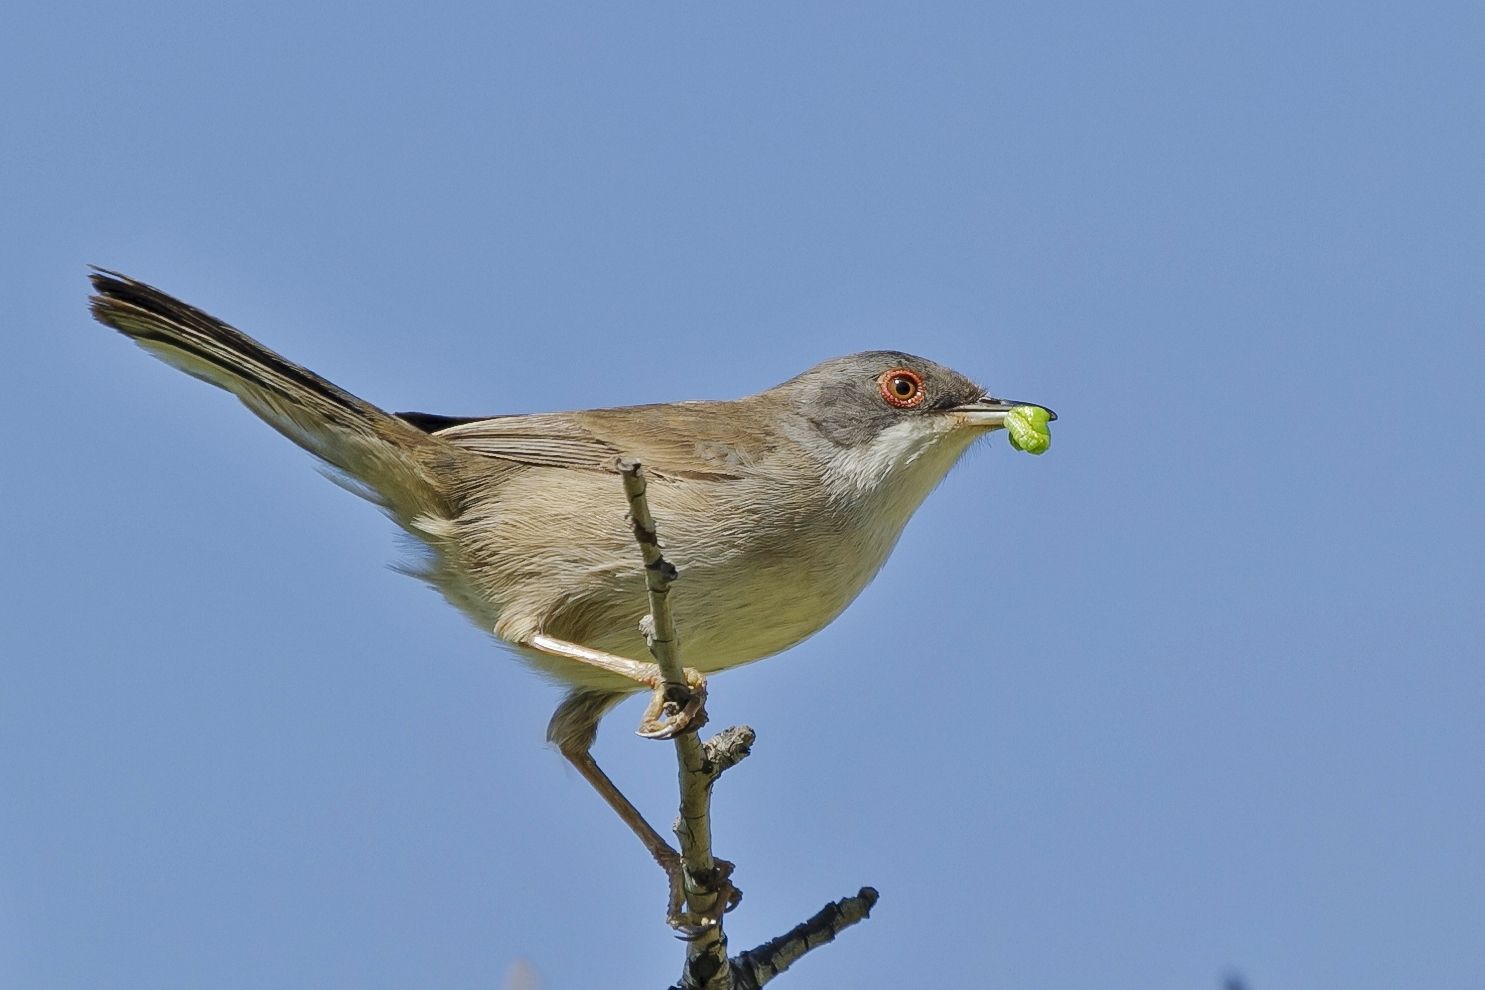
[777, 508]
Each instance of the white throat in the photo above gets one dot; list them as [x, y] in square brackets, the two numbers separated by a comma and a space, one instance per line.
[894, 472]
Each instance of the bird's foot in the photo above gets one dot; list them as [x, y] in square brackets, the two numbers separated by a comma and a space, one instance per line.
[691, 925]
[675, 708]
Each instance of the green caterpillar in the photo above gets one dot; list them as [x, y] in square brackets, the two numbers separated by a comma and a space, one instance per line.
[1027, 428]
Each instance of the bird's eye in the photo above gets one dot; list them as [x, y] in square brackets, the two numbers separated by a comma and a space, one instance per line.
[901, 388]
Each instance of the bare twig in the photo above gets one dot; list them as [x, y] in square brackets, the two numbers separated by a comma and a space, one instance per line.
[708, 889]
[756, 967]
[728, 748]
[659, 573]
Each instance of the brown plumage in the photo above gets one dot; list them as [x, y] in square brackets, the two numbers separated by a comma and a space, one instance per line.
[777, 508]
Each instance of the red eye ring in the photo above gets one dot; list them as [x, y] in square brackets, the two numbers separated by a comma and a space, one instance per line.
[902, 388]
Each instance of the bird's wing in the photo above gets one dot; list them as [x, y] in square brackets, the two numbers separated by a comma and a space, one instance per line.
[680, 440]
[542, 440]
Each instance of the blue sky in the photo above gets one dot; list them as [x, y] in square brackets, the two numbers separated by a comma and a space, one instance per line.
[1198, 691]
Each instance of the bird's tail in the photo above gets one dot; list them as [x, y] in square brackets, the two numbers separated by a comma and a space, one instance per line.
[386, 456]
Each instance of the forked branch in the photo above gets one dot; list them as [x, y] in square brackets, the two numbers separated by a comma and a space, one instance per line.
[709, 893]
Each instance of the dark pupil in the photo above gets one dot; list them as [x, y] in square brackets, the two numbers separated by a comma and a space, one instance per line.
[902, 386]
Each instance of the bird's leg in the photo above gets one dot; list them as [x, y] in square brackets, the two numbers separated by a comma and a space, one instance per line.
[665, 855]
[673, 709]
[683, 714]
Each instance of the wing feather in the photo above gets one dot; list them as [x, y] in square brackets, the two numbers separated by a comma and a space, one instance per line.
[679, 440]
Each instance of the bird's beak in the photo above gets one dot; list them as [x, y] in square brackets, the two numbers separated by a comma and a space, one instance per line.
[990, 411]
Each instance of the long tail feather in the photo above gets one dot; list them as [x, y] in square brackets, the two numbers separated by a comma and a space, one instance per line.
[376, 449]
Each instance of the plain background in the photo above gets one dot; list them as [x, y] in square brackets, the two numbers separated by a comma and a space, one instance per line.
[1198, 692]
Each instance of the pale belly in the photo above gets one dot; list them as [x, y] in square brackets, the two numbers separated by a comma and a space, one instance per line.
[751, 584]
[728, 611]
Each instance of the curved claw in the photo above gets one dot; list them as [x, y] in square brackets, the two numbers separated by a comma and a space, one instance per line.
[689, 927]
[667, 717]
[691, 931]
